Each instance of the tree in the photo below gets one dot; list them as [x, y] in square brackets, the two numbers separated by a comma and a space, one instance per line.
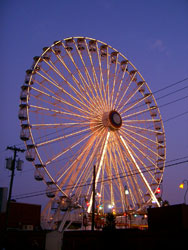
[110, 222]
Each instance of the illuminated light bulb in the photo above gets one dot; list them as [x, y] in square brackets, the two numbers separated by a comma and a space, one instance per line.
[181, 186]
[98, 195]
[158, 191]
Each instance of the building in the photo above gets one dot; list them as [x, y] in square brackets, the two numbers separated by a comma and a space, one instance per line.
[22, 216]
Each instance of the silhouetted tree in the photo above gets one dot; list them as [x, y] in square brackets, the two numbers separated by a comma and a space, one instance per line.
[110, 222]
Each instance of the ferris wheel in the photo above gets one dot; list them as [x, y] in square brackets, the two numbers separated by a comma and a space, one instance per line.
[83, 103]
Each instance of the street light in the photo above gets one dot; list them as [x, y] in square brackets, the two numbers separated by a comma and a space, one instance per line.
[182, 187]
[126, 190]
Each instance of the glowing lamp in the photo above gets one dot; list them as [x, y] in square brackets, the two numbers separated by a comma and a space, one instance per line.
[158, 191]
[181, 186]
[98, 195]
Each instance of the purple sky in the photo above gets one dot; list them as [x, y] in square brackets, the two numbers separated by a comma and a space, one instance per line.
[151, 34]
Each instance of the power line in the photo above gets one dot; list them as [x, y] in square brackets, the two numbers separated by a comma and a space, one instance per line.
[170, 85]
[172, 102]
[68, 187]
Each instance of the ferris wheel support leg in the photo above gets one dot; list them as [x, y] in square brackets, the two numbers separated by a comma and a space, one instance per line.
[99, 170]
[140, 172]
[64, 219]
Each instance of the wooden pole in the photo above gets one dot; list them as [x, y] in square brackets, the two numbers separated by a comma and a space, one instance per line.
[93, 204]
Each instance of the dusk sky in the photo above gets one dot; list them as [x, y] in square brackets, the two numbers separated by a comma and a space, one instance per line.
[152, 34]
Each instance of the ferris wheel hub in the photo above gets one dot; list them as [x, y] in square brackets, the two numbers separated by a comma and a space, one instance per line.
[112, 119]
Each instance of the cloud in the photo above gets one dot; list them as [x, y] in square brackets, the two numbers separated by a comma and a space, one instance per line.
[159, 46]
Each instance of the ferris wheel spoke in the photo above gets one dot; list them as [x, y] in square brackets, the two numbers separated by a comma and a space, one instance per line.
[97, 87]
[62, 137]
[128, 99]
[139, 112]
[141, 121]
[92, 86]
[89, 89]
[77, 93]
[58, 111]
[149, 171]
[56, 99]
[55, 125]
[140, 135]
[109, 178]
[81, 89]
[42, 85]
[76, 174]
[107, 80]
[142, 144]
[101, 75]
[134, 104]
[115, 80]
[140, 172]
[123, 78]
[146, 169]
[55, 95]
[87, 172]
[87, 145]
[66, 150]
[125, 91]
[54, 83]
[118, 181]
[142, 129]
[145, 156]
[100, 166]
[129, 176]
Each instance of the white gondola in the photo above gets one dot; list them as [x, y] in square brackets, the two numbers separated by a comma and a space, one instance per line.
[57, 47]
[153, 111]
[47, 54]
[25, 134]
[160, 164]
[30, 153]
[92, 46]
[132, 75]
[38, 60]
[103, 50]
[161, 151]
[81, 44]
[141, 86]
[51, 189]
[113, 57]
[22, 115]
[23, 94]
[124, 64]
[28, 76]
[148, 98]
[157, 125]
[69, 44]
[160, 138]
[39, 172]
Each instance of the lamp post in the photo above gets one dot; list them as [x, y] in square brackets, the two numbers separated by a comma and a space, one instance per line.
[126, 204]
[182, 187]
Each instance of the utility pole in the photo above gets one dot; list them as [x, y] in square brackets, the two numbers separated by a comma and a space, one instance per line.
[93, 204]
[15, 149]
